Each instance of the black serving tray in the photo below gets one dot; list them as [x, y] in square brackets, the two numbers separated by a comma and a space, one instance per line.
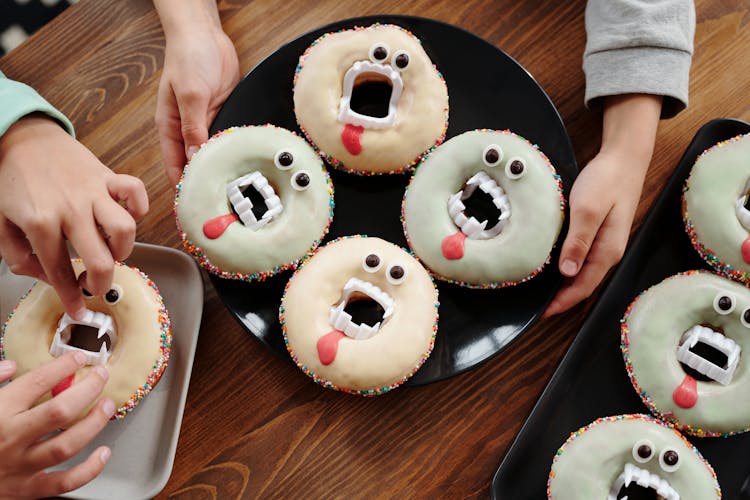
[591, 381]
[487, 89]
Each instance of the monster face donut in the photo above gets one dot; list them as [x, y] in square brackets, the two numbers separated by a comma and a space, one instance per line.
[716, 207]
[252, 202]
[370, 99]
[484, 210]
[127, 330]
[685, 342]
[360, 315]
[630, 456]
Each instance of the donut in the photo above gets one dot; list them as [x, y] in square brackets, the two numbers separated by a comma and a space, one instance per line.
[252, 202]
[716, 207]
[484, 209]
[127, 330]
[360, 315]
[685, 343]
[370, 100]
[630, 456]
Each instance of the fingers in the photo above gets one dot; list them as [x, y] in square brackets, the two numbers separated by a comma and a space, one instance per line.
[193, 105]
[48, 484]
[130, 191]
[89, 242]
[17, 252]
[7, 370]
[585, 220]
[29, 387]
[170, 135]
[117, 226]
[68, 443]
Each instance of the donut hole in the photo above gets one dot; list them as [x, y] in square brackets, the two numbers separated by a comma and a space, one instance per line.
[480, 205]
[707, 352]
[86, 338]
[364, 310]
[635, 491]
[256, 198]
[371, 95]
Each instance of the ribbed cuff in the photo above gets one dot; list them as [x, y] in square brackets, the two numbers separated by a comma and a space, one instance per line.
[18, 100]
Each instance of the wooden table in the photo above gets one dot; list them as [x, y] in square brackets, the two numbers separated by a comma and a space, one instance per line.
[256, 426]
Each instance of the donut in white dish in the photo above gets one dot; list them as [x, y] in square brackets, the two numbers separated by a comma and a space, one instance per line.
[360, 315]
[127, 330]
[716, 207]
[685, 343]
[252, 202]
[370, 100]
[484, 210]
[630, 456]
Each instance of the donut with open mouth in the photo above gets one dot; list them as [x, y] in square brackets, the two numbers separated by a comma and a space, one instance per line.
[630, 456]
[370, 100]
[716, 207]
[127, 330]
[685, 343]
[360, 315]
[484, 210]
[252, 202]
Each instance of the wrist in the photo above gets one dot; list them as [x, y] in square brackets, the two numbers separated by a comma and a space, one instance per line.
[629, 126]
[28, 128]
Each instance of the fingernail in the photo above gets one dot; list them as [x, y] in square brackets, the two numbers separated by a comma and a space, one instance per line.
[104, 455]
[103, 373]
[79, 314]
[108, 407]
[568, 267]
[6, 367]
[79, 357]
[191, 151]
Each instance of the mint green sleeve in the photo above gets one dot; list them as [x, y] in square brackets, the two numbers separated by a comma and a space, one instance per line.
[18, 100]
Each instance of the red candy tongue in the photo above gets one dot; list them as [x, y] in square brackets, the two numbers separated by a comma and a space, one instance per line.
[351, 136]
[453, 246]
[746, 250]
[62, 385]
[216, 226]
[328, 345]
[686, 394]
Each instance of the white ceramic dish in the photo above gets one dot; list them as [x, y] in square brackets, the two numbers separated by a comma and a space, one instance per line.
[143, 443]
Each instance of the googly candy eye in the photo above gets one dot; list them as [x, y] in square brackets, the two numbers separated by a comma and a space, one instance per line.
[492, 155]
[745, 318]
[114, 294]
[284, 160]
[396, 274]
[401, 60]
[643, 451]
[86, 293]
[515, 168]
[669, 460]
[379, 52]
[724, 304]
[300, 180]
[372, 262]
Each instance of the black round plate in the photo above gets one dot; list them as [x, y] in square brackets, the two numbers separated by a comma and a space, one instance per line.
[487, 89]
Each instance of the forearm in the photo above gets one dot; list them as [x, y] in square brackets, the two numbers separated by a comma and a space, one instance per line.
[629, 128]
[180, 17]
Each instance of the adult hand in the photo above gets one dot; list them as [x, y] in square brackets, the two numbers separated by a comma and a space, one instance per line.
[53, 189]
[27, 446]
[200, 71]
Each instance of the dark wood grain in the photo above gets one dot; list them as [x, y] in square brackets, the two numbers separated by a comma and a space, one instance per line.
[255, 425]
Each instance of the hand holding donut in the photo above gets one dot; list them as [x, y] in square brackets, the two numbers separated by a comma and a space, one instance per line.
[26, 452]
[605, 196]
[53, 189]
[200, 71]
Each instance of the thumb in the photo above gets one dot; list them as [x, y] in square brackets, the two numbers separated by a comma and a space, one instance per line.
[193, 108]
[7, 369]
[584, 225]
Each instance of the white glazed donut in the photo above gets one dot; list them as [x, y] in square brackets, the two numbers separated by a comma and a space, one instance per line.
[127, 330]
[484, 210]
[370, 99]
[715, 207]
[685, 342]
[327, 329]
[630, 456]
[253, 201]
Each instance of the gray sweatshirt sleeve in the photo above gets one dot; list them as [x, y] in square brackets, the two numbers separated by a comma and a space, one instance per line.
[639, 46]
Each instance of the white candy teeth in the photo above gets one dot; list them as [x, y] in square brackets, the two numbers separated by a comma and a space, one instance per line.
[244, 207]
[644, 479]
[104, 325]
[342, 321]
[742, 213]
[727, 346]
[347, 115]
[470, 226]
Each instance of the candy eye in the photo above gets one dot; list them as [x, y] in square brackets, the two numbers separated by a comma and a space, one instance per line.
[723, 304]
[86, 293]
[515, 168]
[379, 52]
[643, 451]
[492, 155]
[114, 294]
[396, 274]
[669, 460]
[300, 180]
[401, 60]
[745, 319]
[284, 160]
[372, 263]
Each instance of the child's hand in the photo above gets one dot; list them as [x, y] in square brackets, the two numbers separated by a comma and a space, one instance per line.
[25, 447]
[53, 189]
[605, 196]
